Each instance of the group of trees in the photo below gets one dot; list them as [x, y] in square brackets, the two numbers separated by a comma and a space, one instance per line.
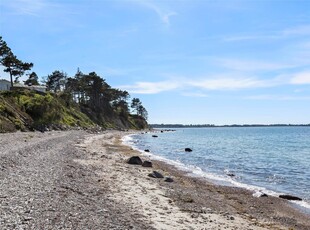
[88, 90]
[91, 90]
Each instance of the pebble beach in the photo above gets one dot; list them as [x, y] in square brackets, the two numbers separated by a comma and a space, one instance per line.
[81, 180]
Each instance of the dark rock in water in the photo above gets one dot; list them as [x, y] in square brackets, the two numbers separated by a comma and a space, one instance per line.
[289, 197]
[230, 174]
[147, 150]
[188, 150]
[135, 160]
[161, 131]
[168, 179]
[147, 164]
[154, 136]
[156, 174]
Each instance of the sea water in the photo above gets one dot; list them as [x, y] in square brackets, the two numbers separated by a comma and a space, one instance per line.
[273, 160]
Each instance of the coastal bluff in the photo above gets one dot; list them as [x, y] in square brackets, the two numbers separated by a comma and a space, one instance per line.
[27, 110]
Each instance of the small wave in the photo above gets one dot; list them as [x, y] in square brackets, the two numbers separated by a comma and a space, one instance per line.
[303, 204]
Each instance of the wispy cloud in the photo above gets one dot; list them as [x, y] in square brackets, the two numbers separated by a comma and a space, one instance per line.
[227, 83]
[151, 87]
[277, 97]
[238, 38]
[194, 87]
[301, 78]
[301, 30]
[297, 31]
[250, 65]
[161, 12]
[28, 7]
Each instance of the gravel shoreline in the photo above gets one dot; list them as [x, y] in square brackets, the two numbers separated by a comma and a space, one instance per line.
[77, 180]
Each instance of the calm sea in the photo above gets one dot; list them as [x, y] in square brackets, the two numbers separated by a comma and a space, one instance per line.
[274, 160]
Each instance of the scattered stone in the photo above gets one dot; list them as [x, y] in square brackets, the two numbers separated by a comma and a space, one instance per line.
[27, 218]
[187, 198]
[168, 179]
[147, 150]
[154, 136]
[156, 174]
[135, 160]
[230, 174]
[289, 197]
[147, 164]
[206, 210]
[188, 150]
[195, 215]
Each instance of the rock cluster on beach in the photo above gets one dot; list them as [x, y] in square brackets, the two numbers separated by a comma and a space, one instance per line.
[136, 160]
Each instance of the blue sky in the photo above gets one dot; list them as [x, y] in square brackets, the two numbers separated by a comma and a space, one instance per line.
[189, 61]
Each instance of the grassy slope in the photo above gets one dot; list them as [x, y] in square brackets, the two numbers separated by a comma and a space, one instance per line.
[25, 110]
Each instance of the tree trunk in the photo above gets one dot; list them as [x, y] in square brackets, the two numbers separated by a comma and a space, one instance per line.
[11, 77]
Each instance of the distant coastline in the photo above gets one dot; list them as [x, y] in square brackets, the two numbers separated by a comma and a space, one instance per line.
[221, 126]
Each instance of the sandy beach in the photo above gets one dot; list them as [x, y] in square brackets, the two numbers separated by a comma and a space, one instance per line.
[79, 180]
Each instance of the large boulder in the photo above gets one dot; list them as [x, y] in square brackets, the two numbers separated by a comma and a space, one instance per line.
[289, 197]
[168, 179]
[135, 160]
[147, 164]
[156, 174]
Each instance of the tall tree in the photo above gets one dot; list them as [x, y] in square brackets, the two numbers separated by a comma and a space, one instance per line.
[56, 81]
[12, 64]
[136, 104]
[32, 79]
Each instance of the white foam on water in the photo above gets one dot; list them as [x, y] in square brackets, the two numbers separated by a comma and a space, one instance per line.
[196, 171]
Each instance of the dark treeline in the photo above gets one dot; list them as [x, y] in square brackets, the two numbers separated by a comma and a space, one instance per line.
[94, 94]
[216, 126]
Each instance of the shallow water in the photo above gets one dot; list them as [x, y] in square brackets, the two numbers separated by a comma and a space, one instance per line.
[271, 159]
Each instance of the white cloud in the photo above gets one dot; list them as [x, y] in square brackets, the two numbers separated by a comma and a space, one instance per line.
[162, 13]
[195, 86]
[297, 31]
[301, 30]
[249, 65]
[227, 83]
[213, 83]
[277, 97]
[249, 37]
[301, 78]
[151, 87]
